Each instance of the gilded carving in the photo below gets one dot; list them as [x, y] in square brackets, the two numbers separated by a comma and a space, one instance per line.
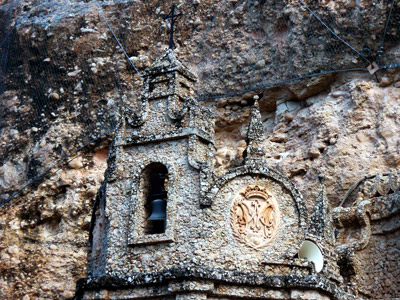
[255, 217]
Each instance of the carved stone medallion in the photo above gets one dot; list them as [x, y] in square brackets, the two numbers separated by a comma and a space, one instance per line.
[255, 217]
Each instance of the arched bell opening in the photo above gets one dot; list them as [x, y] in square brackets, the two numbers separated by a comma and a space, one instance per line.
[156, 197]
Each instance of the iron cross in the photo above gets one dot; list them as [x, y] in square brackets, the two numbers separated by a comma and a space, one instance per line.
[173, 17]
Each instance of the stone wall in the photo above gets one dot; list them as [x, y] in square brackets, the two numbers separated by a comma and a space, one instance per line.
[379, 266]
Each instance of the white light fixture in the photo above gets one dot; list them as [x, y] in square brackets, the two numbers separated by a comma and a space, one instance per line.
[311, 252]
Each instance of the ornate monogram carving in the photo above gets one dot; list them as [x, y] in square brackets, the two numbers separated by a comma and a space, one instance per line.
[255, 217]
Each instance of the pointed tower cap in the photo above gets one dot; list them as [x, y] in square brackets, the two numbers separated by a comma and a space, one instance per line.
[168, 62]
[321, 224]
[254, 134]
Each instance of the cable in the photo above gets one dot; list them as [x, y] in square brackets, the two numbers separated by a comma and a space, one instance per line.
[338, 37]
[381, 49]
[37, 178]
[391, 66]
[115, 37]
[276, 84]
[387, 23]
[206, 97]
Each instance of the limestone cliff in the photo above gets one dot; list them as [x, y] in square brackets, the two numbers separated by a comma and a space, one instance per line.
[64, 80]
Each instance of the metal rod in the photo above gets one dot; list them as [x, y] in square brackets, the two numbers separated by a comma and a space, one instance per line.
[173, 17]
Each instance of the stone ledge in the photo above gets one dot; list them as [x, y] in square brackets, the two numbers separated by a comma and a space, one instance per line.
[172, 135]
[313, 282]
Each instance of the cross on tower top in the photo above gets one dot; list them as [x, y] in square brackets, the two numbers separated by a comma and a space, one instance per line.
[173, 17]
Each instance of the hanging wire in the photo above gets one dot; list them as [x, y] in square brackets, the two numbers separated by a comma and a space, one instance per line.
[61, 160]
[387, 23]
[289, 81]
[333, 32]
[115, 37]
[278, 84]
[381, 48]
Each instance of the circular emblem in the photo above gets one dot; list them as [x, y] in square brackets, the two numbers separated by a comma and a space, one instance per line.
[255, 217]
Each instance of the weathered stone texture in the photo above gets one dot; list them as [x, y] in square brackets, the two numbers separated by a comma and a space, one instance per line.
[44, 233]
[216, 234]
[342, 126]
[381, 278]
[342, 137]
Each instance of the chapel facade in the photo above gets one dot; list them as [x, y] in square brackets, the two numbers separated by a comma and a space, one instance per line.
[166, 227]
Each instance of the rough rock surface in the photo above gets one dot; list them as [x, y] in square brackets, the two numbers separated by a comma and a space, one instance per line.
[44, 232]
[344, 132]
[342, 127]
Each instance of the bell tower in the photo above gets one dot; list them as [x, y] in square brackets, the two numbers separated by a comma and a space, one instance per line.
[157, 168]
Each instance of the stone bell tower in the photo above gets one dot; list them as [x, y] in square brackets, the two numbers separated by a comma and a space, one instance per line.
[161, 151]
[165, 227]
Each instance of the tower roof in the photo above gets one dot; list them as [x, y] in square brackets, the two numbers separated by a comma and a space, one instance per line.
[168, 62]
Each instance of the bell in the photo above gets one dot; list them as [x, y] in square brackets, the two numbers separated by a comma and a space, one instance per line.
[159, 210]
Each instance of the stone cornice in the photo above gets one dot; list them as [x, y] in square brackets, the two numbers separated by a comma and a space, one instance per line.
[313, 282]
[170, 135]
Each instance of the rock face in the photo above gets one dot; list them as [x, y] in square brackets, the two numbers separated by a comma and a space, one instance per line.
[65, 81]
[44, 232]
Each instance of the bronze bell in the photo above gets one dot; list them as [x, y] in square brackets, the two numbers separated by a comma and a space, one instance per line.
[159, 212]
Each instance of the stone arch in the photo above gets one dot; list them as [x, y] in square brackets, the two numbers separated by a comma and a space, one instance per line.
[265, 172]
[154, 187]
[138, 233]
[263, 213]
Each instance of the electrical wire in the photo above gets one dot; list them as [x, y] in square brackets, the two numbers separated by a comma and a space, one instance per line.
[205, 97]
[277, 84]
[381, 49]
[387, 23]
